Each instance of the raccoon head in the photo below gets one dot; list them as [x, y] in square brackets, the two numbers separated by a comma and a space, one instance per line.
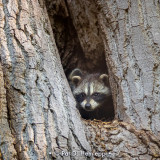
[89, 90]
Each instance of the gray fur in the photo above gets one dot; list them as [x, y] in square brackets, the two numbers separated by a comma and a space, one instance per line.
[85, 88]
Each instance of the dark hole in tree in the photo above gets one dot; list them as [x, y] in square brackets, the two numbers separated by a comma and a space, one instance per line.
[72, 55]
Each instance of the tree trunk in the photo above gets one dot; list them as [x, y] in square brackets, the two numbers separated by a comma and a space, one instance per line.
[38, 115]
[131, 36]
[131, 39]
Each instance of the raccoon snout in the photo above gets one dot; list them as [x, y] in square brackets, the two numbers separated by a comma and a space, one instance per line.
[88, 106]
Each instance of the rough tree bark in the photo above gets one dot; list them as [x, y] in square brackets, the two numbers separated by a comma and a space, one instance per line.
[133, 41]
[38, 117]
[131, 37]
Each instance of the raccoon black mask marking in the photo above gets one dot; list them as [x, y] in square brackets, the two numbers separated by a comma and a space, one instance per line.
[91, 91]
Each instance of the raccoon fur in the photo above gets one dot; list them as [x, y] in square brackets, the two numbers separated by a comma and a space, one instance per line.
[93, 95]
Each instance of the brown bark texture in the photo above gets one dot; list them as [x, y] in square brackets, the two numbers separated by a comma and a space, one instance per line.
[38, 115]
[130, 33]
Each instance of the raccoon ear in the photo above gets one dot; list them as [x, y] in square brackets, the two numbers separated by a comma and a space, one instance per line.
[76, 80]
[76, 76]
[75, 72]
[104, 78]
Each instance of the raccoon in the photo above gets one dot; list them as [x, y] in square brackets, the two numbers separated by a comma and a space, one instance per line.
[93, 95]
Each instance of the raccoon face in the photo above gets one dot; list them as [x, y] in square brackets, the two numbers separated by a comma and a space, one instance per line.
[90, 91]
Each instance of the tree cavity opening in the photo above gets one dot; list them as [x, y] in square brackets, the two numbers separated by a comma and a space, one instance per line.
[80, 46]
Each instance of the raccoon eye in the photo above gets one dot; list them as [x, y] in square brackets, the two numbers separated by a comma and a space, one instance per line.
[82, 95]
[95, 94]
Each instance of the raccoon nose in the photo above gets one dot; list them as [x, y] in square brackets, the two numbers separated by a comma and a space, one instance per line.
[88, 106]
